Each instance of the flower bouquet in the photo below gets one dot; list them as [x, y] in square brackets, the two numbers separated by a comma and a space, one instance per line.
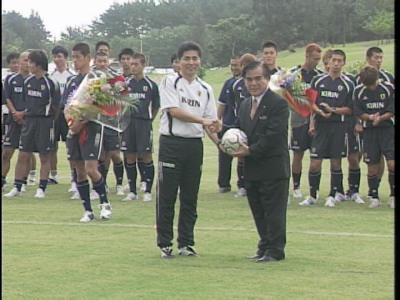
[289, 85]
[102, 98]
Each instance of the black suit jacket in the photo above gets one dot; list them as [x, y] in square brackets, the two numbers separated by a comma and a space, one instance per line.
[267, 135]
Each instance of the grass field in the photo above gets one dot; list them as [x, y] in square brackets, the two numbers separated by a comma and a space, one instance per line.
[345, 252]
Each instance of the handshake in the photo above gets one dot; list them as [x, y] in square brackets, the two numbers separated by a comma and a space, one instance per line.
[212, 125]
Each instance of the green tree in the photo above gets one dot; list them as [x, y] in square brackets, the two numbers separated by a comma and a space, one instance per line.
[217, 25]
[160, 44]
[19, 33]
[77, 33]
[227, 38]
[381, 24]
[197, 27]
[37, 34]
[10, 38]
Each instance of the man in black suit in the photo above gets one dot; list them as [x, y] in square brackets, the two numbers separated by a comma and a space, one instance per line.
[264, 119]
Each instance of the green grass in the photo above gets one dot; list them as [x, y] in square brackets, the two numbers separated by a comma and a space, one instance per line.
[345, 252]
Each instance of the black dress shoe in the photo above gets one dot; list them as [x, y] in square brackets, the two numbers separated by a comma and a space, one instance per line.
[256, 256]
[266, 258]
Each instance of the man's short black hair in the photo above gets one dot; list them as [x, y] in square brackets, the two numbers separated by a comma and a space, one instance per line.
[59, 49]
[187, 46]
[125, 51]
[100, 54]
[11, 56]
[254, 65]
[173, 58]
[100, 43]
[270, 44]
[40, 59]
[83, 48]
[339, 52]
[372, 50]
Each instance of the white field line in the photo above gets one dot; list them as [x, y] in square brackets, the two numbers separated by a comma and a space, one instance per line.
[103, 224]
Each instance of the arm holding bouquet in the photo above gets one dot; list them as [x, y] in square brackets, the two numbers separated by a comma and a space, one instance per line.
[101, 98]
[290, 86]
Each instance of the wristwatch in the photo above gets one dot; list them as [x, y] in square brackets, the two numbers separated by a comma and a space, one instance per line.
[333, 109]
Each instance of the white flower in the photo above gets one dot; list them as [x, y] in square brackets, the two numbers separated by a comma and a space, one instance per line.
[105, 88]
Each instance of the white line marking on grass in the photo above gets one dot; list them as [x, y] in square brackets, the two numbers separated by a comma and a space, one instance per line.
[210, 157]
[346, 234]
[93, 223]
[104, 224]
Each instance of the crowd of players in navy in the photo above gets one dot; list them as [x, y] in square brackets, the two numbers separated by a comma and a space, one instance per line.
[34, 121]
[353, 117]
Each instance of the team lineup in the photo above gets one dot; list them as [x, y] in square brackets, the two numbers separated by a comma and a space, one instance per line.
[352, 116]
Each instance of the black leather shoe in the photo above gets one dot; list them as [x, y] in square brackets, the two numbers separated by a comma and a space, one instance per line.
[224, 190]
[266, 258]
[256, 256]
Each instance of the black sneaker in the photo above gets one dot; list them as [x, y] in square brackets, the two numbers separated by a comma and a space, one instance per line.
[166, 253]
[187, 251]
[52, 181]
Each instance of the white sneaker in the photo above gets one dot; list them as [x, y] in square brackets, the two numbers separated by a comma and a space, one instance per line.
[39, 193]
[375, 203]
[339, 197]
[240, 193]
[330, 201]
[147, 197]
[13, 193]
[23, 188]
[73, 187]
[391, 202]
[126, 188]
[75, 196]
[87, 216]
[105, 211]
[130, 197]
[297, 194]
[143, 186]
[32, 181]
[308, 201]
[94, 195]
[120, 190]
[357, 198]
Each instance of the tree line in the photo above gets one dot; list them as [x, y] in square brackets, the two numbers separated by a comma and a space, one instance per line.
[222, 27]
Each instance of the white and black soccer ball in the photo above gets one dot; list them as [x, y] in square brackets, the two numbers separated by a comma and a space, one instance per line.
[231, 138]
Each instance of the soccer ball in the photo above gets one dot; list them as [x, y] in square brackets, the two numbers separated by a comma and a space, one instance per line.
[231, 138]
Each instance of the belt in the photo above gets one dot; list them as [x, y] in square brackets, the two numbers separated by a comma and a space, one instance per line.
[180, 137]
